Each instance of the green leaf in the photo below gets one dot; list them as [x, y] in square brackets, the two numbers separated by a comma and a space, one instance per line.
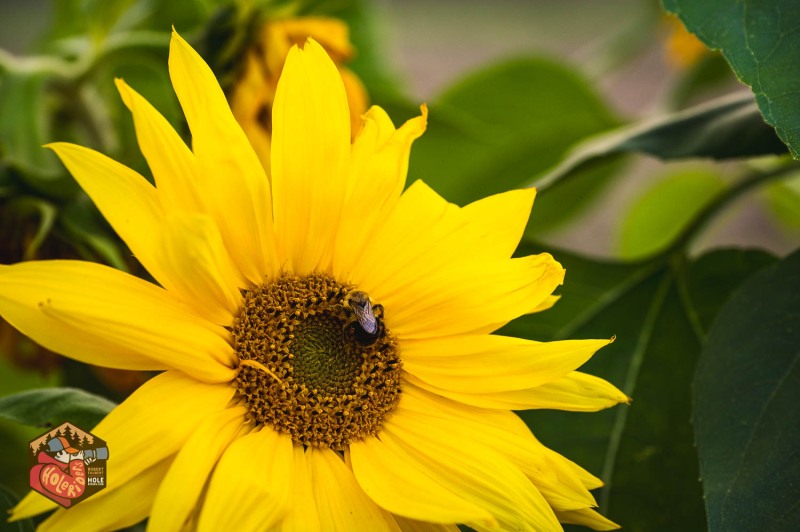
[48, 407]
[7, 501]
[25, 223]
[497, 128]
[746, 416]
[644, 452]
[94, 17]
[91, 235]
[661, 212]
[185, 15]
[714, 278]
[23, 118]
[13, 436]
[728, 127]
[759, 39]
[783, 199]
[710, 74]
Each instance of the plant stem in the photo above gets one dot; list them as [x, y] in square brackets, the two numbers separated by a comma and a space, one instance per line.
[723, 200]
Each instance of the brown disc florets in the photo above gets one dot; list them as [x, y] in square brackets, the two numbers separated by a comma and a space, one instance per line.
[302, 370]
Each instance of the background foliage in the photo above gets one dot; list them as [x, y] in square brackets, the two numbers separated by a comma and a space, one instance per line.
[706, 332]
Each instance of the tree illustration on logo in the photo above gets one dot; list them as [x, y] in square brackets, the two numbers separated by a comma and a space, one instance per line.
[70, 434]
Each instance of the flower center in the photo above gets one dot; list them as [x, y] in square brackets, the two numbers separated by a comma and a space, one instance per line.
[305, 367]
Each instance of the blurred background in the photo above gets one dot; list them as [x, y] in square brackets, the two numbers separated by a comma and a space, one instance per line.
[635, 56]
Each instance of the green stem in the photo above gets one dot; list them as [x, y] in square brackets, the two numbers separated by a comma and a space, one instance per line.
[36, 65]
[74, 71]
[711, 210]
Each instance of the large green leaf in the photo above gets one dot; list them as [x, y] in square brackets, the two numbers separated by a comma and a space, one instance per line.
[25, 223]
[48, 407]
[714, 278]
[13, 436]
[783, 199]
[501, 126]
[659, 214]
[760, 39]
[101, 18]
[746, 415]
[728, 127]
[23, 118]
[644, 452]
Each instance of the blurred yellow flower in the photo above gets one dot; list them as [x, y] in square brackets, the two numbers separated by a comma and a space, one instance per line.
[253, 94]
[682, 48]
[323, 334]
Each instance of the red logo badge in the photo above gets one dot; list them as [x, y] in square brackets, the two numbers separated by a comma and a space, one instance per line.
[69, 464]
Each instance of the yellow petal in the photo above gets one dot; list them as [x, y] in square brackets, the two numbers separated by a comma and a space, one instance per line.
[418, 234]
[410, 525]
[133, 208]
[310, 154]
[559, 480]
[77, 308]
[127, 201]
[376, 178]
[341, 503]
[562, 488]
[439, 282]
[500, 220]
[589, 481]
[587, 517]
[403, 484]
[480, 467]
[546, 304]
[21, 305]
[249, 489]
[474, 297]
[170, 160]
[303, 515]
[478, 364]
[231, 179]
[357, 99]
[170, 405]
[278, 35]
[576, 392]
[34, 503]
[128, 505]
[205, 275]
[178, 493]
[427, 233]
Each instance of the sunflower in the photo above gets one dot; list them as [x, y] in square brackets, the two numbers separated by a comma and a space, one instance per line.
[323, 334]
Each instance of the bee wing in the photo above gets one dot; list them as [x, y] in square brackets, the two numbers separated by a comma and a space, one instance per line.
[366, 318]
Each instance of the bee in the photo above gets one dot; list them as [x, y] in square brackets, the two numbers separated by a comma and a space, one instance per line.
[368, 324]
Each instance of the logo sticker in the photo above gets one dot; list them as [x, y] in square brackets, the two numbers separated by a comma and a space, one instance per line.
[68, 464]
